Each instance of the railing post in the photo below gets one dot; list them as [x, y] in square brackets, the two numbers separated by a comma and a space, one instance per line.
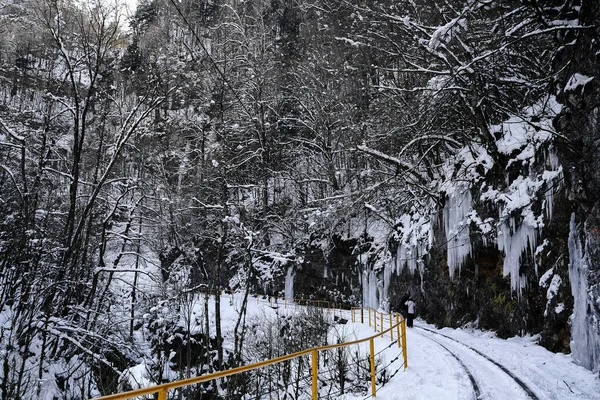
[391, 330]
[381, 323]
[362, 315]
[315, 371]
[398, 330]
[375, 320]
[372, 348]
[369, 311]
[162, 394]
[404, 343]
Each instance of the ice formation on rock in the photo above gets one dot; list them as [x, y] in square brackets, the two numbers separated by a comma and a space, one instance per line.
[456, 224]
[514, 239]
[415, 240]
[370, 285]
[585, 326]
[289, 283]
[519, 226]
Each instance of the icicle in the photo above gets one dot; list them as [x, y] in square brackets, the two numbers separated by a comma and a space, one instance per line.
[456, 223]
[553, 159]
[416, 240]
[421, 272]
[585, 337]
[387, 276]
[399, 259]
[552, 179]
[514, 243]
[289, 283]
[369, 282]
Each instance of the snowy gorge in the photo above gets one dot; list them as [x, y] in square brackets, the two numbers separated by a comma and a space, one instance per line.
[164, 169]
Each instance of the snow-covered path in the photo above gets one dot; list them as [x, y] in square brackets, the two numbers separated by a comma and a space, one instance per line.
[487, 376]
[434, 373]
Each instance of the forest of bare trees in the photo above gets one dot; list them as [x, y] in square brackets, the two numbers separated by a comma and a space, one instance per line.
[224, 144]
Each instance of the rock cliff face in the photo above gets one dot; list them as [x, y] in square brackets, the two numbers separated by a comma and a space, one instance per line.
[579, 152]
[558, 288]
[560, 299]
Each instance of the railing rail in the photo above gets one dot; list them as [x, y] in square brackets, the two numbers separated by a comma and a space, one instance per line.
[329, 305]
[399, 326]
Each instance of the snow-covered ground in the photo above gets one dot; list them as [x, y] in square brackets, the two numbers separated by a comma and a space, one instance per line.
[462, 364]
[434, 373]
[452, 363]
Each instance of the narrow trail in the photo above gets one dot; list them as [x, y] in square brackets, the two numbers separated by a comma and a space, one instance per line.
[463, 356]
[474, 384]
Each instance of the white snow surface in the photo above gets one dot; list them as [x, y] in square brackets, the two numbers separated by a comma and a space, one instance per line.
[577, 80]
[444, 34]
[433, 372]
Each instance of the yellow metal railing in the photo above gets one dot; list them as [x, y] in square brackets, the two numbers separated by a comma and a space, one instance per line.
[330, 306]
[399, 326]
[372, 321]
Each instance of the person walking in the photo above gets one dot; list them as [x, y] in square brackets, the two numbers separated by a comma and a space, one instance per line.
[403, 307]
[410, 304]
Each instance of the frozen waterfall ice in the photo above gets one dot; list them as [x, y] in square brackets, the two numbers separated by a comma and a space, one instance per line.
[585, 326]
[456, 223]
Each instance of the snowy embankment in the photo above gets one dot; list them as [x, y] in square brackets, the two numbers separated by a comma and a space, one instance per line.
[443, 364]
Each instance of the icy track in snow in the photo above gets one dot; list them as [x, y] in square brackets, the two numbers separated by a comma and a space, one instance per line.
[464, 364]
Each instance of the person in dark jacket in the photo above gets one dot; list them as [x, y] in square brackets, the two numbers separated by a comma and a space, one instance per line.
[403, 307]
[410, 304]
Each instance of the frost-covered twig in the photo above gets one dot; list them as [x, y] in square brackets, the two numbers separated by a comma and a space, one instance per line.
[405, 167]
[10, 132]
[79, 345]
[12, 177]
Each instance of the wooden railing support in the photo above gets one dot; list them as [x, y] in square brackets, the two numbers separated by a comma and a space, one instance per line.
[315, 372]
[398, 330]
[403, 327]
[372, 350]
